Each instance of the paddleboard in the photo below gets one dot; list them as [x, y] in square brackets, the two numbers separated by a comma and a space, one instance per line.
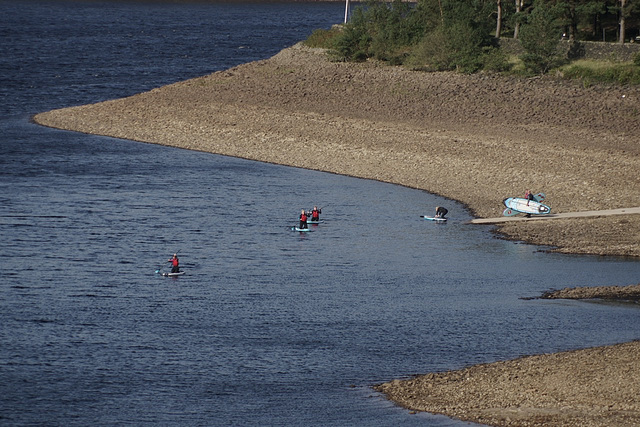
[302, 230]
[522, 205]
[432, 218]
[315, 222]
[173, 274]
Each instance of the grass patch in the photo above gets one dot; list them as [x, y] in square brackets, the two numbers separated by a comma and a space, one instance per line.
[322, 38]
[517, 65]
[593, 72]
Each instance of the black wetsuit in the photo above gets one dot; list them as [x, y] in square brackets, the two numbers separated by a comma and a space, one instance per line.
[441, 212]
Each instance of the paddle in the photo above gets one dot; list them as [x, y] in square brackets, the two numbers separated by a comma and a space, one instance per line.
[310, 212]
[319, 209]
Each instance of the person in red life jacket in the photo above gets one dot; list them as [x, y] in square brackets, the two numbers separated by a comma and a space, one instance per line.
[303, 219]
[175, 262]
[315, 214]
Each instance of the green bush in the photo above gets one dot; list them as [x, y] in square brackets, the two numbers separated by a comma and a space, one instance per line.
[465, 45]
[352, 44]
[494, 59]
[322, 38]
[539, 38]
[468, 26]
[431, 54]
[459, 42]
[379, 30]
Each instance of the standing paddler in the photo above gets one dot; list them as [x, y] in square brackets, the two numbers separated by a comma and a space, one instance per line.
[175, 262]
[303, 220]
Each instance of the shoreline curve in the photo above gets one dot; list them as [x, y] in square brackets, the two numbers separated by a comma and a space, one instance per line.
[471, 138]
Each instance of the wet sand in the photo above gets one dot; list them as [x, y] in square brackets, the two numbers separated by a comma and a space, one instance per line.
[476, 139]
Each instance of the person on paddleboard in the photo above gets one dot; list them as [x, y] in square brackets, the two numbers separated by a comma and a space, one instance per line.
[175, 262]
[441, 212]
[303, 219]
[315, 214]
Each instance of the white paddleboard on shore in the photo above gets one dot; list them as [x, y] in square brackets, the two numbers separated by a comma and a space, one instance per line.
[517, 205]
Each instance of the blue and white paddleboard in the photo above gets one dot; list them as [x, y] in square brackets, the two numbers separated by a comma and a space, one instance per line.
[173, 274]
[315, 222]
[517, 205]
[433, 218]
[302, 230]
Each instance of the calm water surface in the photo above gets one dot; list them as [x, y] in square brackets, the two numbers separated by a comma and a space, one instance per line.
[268, 326]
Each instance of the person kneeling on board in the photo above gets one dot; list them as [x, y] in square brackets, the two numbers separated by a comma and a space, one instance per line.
[441, 212]
[303, 219]
[175, 262]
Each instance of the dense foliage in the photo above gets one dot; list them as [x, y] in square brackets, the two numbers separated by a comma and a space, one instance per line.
[539, 38]
[438, 35]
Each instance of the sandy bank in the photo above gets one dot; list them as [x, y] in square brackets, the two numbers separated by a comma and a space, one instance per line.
[630, 293]
[591, 387]
[476, 139]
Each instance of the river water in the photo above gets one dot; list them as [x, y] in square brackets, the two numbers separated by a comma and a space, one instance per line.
[267, 326]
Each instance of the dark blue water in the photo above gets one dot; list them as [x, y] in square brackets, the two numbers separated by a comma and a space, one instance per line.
[268, 327]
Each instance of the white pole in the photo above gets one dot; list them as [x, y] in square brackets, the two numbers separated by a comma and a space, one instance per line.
[346, 12]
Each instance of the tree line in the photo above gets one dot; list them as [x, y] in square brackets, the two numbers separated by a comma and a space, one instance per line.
[580, 19]
[438, 35]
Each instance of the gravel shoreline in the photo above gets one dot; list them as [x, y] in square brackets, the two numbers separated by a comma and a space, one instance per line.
[590, 387]
[476, 139]
[630, 293]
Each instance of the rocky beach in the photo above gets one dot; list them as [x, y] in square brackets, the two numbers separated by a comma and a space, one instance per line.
[472, 138]
[590, 387]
